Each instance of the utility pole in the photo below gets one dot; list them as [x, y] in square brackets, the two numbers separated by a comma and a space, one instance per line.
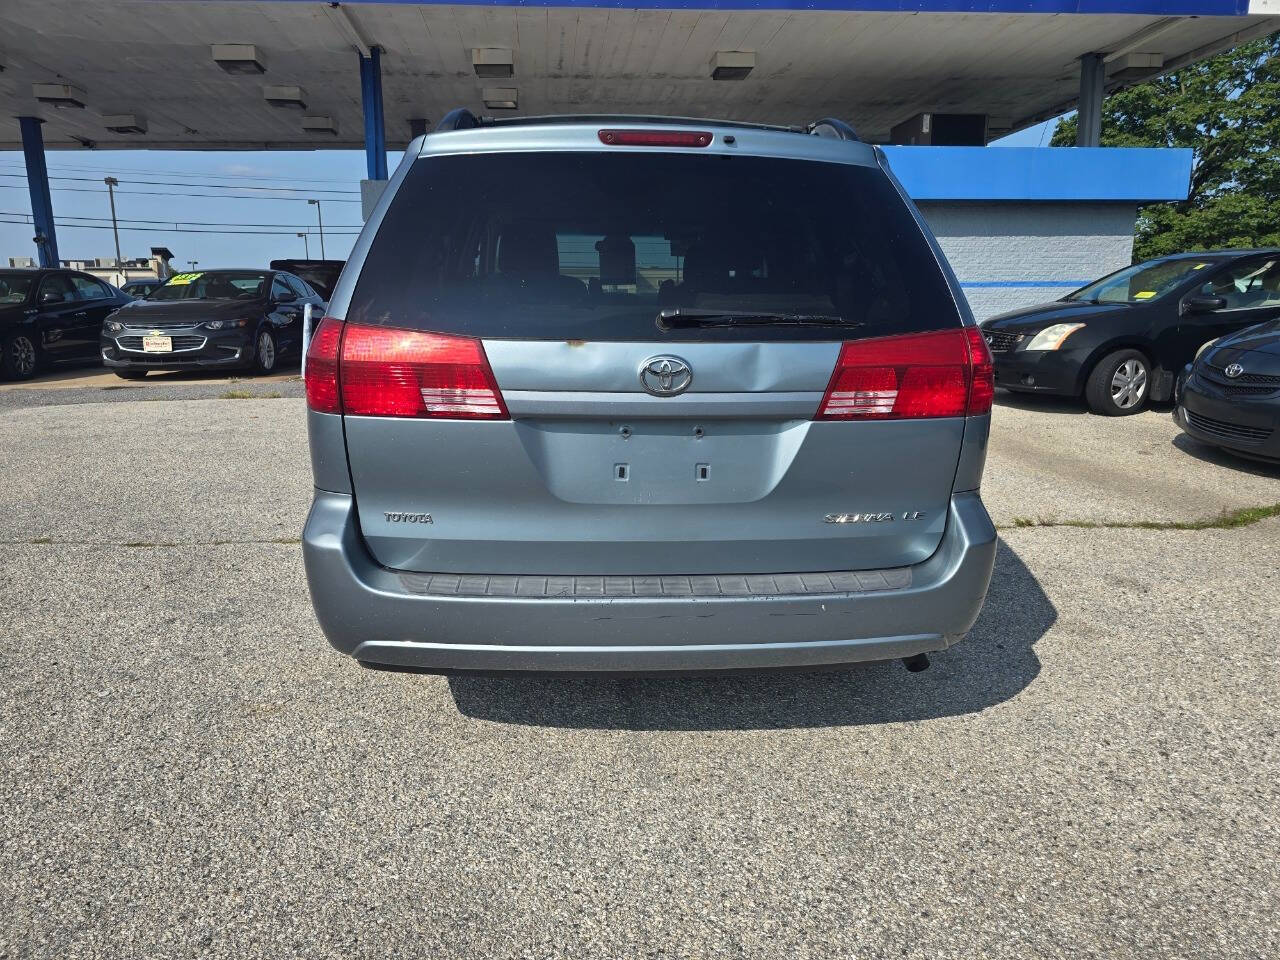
[193, 263]
[320, 221]
[306, 247]
[112, 183]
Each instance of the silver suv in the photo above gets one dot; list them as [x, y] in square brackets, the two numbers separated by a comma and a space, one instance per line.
[643, 394]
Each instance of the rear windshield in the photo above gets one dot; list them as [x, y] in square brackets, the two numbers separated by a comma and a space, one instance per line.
[595, 245]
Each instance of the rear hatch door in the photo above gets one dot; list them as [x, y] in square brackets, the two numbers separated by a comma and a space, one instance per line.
[660, 329]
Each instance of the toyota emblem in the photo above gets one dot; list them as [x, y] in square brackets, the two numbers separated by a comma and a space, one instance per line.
[665, 376]
[1233, 370]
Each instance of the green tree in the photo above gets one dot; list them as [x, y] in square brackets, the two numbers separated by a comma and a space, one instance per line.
[1227, 110]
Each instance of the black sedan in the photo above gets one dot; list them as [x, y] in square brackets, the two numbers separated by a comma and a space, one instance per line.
[51, 316]
[239, 319]
[1230, 397]
[1122, 340]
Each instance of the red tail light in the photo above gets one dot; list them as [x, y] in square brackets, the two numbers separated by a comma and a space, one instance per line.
[386, 372]
[984, 377]
[940, 374]
[322, 367]
[655, 138]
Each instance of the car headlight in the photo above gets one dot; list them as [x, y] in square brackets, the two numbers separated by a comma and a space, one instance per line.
[225, 324]
[1052, 337]
[1205, 346]
[114, 326]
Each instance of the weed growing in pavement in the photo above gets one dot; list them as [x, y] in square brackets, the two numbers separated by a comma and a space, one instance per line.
[1244, 517]
[248, 395]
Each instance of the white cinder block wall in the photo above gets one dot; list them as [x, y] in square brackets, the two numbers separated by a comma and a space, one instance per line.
[1010, 255]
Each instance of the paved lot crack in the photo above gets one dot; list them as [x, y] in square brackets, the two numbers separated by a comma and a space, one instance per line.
[1244, 517]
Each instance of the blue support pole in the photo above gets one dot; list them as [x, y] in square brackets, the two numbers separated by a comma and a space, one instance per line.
[375, 135]
[38, 184]
[382, 125]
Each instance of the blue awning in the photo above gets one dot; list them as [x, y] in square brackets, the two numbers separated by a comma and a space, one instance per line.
[1043, 174]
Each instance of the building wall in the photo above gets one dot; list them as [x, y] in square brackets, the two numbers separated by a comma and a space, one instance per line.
[1014, 254]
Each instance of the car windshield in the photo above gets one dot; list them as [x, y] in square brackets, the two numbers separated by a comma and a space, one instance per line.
[610, 243]
[213, 285]
[1141, 282]
[15, 287]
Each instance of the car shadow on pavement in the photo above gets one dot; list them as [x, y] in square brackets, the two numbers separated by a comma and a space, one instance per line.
[993, 664]
[1041, 403]
[1203, 451]
[1049, 403]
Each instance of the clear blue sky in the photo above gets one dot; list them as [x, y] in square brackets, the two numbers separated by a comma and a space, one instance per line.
[237, 188]
[234, 188]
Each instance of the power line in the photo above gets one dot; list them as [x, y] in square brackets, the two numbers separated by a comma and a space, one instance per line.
[190, 223]
[225, 233]
[203, 186]
[176, 196]
[17, 164]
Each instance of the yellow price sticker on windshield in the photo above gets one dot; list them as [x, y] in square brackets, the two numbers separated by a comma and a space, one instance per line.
[1199, 266]
[179, 279]
[1144, 295]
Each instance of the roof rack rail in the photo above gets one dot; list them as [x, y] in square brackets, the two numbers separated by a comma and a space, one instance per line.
[457, 119]
[463, 119]
[831, 127]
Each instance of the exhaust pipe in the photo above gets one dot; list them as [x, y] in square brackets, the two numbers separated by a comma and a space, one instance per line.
[917, 663]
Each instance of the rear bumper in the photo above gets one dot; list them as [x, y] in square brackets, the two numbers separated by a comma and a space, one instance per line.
[387, 617]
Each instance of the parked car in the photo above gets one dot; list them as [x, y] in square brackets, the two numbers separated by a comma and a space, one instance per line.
[1230, 396]
[708, 398]
[51, 316]
[321, 274]
[1121, 341]
[215, 318]
[140, 288]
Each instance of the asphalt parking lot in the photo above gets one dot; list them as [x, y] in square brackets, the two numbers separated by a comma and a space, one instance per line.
[189, 770]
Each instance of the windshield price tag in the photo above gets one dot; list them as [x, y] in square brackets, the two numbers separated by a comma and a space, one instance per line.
[1144, 295]
[180, 279]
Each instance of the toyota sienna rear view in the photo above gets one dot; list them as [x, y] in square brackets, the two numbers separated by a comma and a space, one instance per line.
[643, 395]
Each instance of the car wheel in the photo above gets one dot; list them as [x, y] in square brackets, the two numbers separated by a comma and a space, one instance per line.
[1120, 384]
[130, 374]
[21, 357]
[265, 352]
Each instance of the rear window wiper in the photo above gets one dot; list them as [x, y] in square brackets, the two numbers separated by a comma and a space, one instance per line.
[677, 318]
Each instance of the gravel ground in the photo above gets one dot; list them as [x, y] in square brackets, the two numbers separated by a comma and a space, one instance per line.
[189, 770]
[21, 397]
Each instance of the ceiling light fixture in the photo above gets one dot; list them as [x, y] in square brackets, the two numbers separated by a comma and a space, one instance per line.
[492, 63]
[290, 97]
[238, 57]
[500, 98]
[125, 123]
[732, 64]
[320, 125]
[59, 94]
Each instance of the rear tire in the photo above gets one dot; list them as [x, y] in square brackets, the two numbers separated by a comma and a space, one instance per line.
[1120, 384]
[130, 374]
[21, 357]
[265, 352]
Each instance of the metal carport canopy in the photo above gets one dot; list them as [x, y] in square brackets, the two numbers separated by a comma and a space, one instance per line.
[872, 62]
